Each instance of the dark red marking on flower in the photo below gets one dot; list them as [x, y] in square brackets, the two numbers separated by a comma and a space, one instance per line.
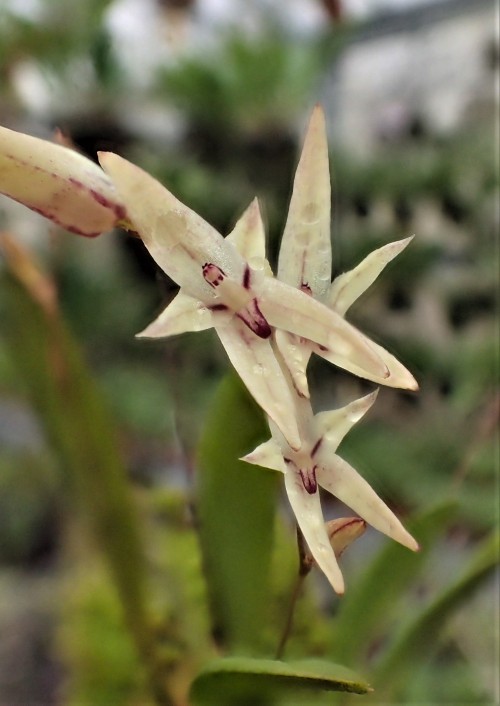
[218, 307]
[117, 208]
[252, 317]
[348, 523]
[309, 480]
[46, 213]
[213, 274]
[246, 277]
[304, 287]
[287, 460]
[322, 348]
[316, 446]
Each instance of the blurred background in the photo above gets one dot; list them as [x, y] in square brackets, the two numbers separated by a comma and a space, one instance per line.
[212, 96]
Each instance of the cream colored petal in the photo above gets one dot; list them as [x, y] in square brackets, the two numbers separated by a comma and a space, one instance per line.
[339, 478]
[295, 354]
[254, 360]
[267, 455]
[58, 183]
[183, 314]
[332, 426]
[399, 376]
[291, 310]
[248, 235]
[179, 240]
[305, 254]
[307, 510]
[346, 288]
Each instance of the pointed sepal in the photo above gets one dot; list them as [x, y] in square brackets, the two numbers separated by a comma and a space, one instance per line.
[248, 235]
[59, 183]
[347, 287]
[255, 362]
[183, 314]
[180, 240]
[333, 425]
[267, 455]
[305, 258]
[342, 480]
[399, 376]
[307, 509]
[295, 354]
[292, 310]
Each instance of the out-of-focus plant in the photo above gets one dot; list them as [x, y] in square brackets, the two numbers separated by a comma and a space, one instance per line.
[62, 42]
[239, 106]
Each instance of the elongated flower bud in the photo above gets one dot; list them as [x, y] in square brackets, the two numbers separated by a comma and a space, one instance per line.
[58, 183]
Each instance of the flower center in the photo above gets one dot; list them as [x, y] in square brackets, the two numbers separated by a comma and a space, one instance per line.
[238, 297]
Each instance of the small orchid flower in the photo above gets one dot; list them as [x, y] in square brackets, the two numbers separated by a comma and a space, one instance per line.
[305, 262]
[222, 288]
[59, 183]
[316, 465]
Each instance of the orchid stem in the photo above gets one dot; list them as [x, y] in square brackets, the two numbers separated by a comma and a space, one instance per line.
[304, 569]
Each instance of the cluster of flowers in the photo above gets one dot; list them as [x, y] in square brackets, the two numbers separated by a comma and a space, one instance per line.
[268, 324]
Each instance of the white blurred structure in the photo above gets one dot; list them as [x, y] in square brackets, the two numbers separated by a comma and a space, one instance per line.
[433, 65]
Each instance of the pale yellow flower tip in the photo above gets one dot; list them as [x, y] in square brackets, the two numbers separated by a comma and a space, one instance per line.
[59, 183]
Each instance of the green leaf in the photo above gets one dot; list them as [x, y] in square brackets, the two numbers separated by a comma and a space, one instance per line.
[76, 421]
[420, 636]
[80, 429]
[236, 505]
[364, 607]
[236, 681]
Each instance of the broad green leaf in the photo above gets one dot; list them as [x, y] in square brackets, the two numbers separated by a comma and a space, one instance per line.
[236, 681]
[236, 517]
[364, 606]
[420, 636]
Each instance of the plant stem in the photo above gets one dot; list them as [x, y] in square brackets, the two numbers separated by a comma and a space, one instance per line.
[304, 569]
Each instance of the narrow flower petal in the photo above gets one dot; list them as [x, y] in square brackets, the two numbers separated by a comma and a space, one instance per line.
[267, 455]
[183, 314]
[347, 287]
[307, 510]
[305, 258]
[332, 426]
[296, 356]
[59, 183]
[255, 362]
[180, 241]
[248, 235]
[399, 376]
[291, 310]
[339, 478]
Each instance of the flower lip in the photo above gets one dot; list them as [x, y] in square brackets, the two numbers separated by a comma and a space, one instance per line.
[309, 481]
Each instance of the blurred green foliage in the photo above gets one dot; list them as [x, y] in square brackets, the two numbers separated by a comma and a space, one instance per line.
[410, 624]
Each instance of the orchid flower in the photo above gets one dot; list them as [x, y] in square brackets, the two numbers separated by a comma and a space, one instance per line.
[59, 183]
[305, 262]
[221, 287]
[316, 465]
